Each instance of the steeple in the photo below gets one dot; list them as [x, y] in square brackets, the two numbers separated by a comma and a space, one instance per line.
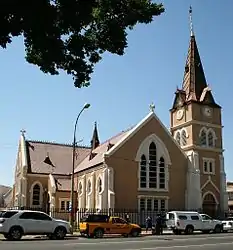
[95, 138]
[194, 86]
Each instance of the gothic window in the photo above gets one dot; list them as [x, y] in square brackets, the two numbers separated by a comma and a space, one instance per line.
[143, 172]
[152, 171]
[161, 173]
[178, 137]
[183, 138]
[36, 195]
[88, 186]
[100, 186]
[203, 138]
[152, 166]
[210, 139]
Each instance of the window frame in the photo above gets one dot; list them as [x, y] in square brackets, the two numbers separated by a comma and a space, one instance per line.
[208, 161]
[154, 199]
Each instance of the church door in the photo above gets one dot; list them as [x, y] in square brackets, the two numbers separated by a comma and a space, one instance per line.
[209, 205]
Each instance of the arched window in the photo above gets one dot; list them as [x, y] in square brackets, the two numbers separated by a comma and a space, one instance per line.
[100, 186]
[210, 139]
[177, 138]
[161, 173]
[183, 138]
[203, 138]
[152, 166]
[143, 172]
[89, 186]
[80, 188]
[36, 195]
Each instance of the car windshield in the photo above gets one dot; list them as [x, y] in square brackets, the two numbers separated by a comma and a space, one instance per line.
[1, 213]
[229, 219]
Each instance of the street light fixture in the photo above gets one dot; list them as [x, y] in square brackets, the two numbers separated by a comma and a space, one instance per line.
[86, 106]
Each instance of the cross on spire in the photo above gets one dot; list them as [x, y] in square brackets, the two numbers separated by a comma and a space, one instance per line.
[191, 20]
[152, 107]
[22, 131]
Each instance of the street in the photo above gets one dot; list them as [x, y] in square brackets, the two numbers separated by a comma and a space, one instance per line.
[209, 242]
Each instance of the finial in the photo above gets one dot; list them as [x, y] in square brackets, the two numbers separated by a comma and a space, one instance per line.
[95, 123]
[22, 131]
[191, 20]
[152, 107]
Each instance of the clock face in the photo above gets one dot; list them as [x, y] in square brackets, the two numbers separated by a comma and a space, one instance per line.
[208, 111]
[179, 114]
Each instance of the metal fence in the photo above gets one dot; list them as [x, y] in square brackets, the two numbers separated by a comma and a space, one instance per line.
[134, 215]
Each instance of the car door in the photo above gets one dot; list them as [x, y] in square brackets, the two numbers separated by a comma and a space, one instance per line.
[44, 222]
[119, 226]
[29, 223]
[207, 222]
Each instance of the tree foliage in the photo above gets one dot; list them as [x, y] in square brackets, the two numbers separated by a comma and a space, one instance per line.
[72, 35]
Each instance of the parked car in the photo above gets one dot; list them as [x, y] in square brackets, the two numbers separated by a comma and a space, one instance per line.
[188, 222]
[16, 223]
[96, 225]
[227, 224]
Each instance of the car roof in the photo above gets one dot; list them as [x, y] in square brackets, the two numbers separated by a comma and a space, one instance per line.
[184, 212]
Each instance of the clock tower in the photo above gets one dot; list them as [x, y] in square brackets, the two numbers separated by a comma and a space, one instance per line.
[196, 125]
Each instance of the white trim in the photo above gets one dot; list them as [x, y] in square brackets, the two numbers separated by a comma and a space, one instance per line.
[137, 128]
[211, 182]
[41, 194]
[190, 122]
[52, 184]
[195, 147]
[65, 200]
[209, 192]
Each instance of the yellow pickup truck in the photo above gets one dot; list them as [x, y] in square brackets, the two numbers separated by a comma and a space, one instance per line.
[96, 225]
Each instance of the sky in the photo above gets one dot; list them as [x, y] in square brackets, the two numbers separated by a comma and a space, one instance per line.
[122, 87]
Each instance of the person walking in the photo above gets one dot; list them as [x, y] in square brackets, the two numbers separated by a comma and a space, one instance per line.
[148, 223]
[159, 225]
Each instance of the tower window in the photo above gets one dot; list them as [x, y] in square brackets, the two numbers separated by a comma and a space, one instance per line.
[203, 139]
[208, 166]
[210, 139]
[183, 138]
[177, 138]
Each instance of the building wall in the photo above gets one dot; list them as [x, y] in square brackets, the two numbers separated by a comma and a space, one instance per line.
[126, 170]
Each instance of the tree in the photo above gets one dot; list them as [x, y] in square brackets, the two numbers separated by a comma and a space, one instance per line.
[72, 35]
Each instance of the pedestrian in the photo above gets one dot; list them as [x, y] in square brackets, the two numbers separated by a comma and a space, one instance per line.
[127, 218]
[148, 223]
[159, 225]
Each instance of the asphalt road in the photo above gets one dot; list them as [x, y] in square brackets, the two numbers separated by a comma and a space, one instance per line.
[194, 242]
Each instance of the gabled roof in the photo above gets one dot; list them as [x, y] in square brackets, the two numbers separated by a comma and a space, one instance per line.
[59, 154]
[98, 153]
[135, 129]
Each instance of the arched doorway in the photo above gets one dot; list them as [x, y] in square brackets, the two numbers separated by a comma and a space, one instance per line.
[209, 205]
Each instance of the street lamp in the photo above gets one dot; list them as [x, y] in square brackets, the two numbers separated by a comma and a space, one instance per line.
[86, 106]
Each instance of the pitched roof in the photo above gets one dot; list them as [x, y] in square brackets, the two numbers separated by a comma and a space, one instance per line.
[63, 184]
[98, 153]
[59, 154]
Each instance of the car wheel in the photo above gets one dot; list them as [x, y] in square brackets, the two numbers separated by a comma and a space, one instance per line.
[189, 230]
[134, 233]
[99, 233]
[217, 229]
[60, 233]
[15, 233]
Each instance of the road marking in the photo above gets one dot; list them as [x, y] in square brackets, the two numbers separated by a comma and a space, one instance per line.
[106, 242]
[187, 246]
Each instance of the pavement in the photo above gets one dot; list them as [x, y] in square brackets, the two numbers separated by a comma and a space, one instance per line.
[163, 242]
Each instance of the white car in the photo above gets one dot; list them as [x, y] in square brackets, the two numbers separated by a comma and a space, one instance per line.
[188, 222]
[16, 223]
[228, 224]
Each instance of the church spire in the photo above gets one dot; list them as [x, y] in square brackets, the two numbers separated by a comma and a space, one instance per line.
[194, 81]
[95, 138]
[191, 20]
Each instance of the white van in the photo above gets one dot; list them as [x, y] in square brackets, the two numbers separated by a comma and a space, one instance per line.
[188, 222]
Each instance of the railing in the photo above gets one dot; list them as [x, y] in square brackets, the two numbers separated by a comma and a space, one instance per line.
[134, 215]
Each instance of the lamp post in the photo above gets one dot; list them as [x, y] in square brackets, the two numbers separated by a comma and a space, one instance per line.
[86, 106]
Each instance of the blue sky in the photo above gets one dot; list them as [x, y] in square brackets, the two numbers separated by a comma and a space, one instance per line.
[122, 87]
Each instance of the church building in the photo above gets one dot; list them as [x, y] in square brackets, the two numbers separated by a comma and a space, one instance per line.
[147, 167]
